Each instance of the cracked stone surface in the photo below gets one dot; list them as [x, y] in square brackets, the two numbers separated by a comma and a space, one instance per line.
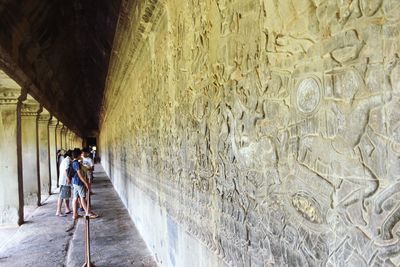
[44, 240]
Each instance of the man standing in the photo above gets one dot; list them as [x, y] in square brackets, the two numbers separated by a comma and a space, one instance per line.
[80, 184]
[88, 163]
[65, 185]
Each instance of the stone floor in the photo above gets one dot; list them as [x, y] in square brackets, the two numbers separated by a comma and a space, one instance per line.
[8, 231]
[47, 240]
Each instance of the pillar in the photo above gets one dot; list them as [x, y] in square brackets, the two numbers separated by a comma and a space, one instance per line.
[52, 126]
[67, 133]
[60, 125]
[29, 113]
[11, 194]
[59, 128]
[61, 137]
[71, 138]
[64, 137]
[75, 141]
[44, 152]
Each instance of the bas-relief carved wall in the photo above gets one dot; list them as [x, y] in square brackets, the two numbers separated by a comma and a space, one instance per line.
[269, 130]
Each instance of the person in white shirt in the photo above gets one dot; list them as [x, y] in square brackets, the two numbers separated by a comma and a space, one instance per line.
[88, 163]
[65, 185]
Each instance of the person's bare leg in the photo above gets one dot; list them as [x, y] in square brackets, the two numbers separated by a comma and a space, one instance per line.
[59, 202]
[67, 208]
[75, 207]
[87, 209]
[84, 206]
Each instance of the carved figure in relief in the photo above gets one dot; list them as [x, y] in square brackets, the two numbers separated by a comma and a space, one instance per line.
[305, 177]
[307, 207]
[353, 185]
[380, 150]
[227, 18]
[370, 7]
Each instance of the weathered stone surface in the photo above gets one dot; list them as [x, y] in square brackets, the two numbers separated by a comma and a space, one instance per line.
[10, 203]
[267, 130]
[69, 140]
[29, 114]
[44, 151]
[53, 152]
[59, 128]
[63, 133]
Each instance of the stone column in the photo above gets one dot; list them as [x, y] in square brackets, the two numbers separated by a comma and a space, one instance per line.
[59, 128]
[67, 139]
[52, 126]
[64, 137]
[44, 152]
[29, 113]
[11, 184]
[60, 125]
[75, 140]
[67, 133]
[63, 129]
[71, 140]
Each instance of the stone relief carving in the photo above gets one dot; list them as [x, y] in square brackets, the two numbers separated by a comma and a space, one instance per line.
[272, 134]
[308, 95]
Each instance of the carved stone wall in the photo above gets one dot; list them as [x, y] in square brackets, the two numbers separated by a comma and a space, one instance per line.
[265, 133]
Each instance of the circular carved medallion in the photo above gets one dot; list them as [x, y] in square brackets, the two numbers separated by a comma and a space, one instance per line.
[308, 95]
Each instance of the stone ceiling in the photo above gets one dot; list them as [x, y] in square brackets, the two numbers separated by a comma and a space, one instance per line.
[59, 51]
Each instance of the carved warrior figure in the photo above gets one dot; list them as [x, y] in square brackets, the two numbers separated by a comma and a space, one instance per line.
[380, 150]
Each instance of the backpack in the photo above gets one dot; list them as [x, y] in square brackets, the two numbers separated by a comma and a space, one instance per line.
[70, 171]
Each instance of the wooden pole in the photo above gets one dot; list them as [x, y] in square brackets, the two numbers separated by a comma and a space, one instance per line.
[88, 262]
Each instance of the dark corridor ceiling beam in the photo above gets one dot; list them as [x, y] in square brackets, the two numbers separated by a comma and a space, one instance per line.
[59, 51]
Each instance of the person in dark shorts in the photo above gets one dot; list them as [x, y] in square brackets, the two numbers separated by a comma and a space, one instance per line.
[80, 185]
[65, 185]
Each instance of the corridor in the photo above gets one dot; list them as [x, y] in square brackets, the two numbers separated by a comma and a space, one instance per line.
[47, 240]
[235, 133]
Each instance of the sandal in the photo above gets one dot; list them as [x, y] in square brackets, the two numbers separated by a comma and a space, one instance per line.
[93, 215]
[60, 215]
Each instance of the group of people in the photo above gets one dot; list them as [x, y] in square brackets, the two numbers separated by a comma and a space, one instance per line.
[75, 178]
